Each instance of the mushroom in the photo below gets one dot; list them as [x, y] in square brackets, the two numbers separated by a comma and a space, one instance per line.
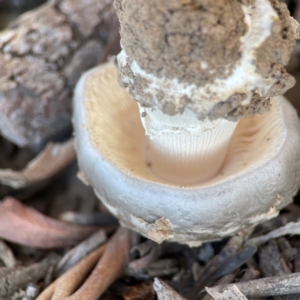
[221, 150]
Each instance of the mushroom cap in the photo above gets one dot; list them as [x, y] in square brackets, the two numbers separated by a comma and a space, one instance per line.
[260, 175]
[220, 60]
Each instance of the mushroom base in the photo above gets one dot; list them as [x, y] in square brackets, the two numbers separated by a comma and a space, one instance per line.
[259, 176]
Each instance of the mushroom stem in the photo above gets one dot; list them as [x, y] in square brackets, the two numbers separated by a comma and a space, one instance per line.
[195, 70]
[184, 150]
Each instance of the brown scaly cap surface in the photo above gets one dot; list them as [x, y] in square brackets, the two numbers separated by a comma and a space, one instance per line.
[198, 44]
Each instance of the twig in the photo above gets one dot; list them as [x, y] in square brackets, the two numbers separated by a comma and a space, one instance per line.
[142, 263]
[265, 287]
[287, 251]
[69, 281]
[250, 274]
[292, 228]
[163, 267]
[231, 293]
[76, 254]
[108, 269]
[165, 292]
[142, 249]
[208, 272]
[224, 280]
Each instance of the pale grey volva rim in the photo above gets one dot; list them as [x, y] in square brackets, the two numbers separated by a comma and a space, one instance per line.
[194, 214]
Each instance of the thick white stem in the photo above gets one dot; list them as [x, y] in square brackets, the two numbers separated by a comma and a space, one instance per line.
[185, 154]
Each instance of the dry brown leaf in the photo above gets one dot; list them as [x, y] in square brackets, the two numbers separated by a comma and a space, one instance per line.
[24, 225]
[48, 163]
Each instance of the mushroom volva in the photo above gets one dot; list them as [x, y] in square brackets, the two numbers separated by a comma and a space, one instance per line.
[184, 137]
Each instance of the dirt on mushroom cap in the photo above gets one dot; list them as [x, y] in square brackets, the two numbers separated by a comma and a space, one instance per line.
[198, 46]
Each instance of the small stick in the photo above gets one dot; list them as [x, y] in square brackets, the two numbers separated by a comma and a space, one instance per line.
[163, 267]
[292, 228]
[231, 293]
[209, 271]
[165, 292]
[250, 274]
[272, 263]
[224, 280]
[69, 281]
[143, 262]
[266, 287]
[77, 253]
[287, 251]
[108, 269]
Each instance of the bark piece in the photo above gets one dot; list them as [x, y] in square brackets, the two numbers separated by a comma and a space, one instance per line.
[163, 267]
[250, 274]
[42, 54]
[149, 251]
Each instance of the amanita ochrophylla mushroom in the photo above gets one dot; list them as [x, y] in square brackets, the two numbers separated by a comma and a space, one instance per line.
[221, 150]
